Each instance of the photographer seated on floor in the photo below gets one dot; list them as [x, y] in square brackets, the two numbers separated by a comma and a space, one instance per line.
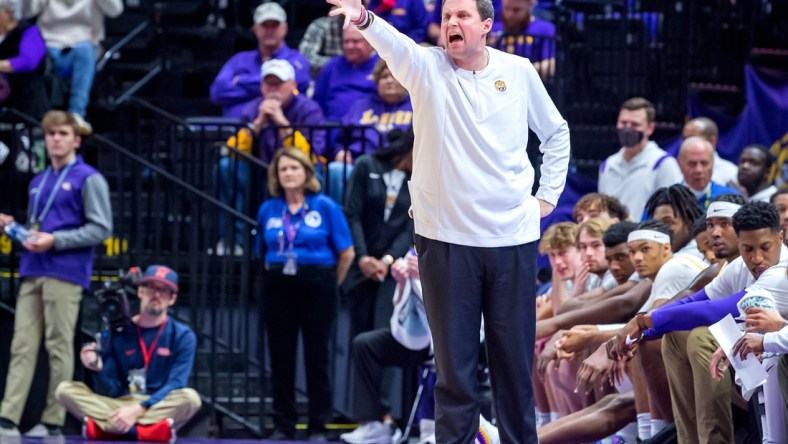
[144, 368]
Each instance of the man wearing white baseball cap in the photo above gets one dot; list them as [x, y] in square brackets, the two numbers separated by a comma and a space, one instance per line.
[238, 81]
[281, 117]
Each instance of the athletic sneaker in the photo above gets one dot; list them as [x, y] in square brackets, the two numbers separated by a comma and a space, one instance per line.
[162, 431]
[9, 432]
[373, 432]
[91, 431]
[42, 430]
[85, 128]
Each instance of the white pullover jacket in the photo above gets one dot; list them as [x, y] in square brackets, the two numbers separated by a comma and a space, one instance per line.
[472, 180]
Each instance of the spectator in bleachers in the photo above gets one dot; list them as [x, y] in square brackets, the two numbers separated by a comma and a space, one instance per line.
[377, 210]
[408, 16]
[755, 166]
[282, 117]
[238, 82]
[640, 166]
[725, 171]
[321, 42]
[348, 78]
[307, 249]
[274, 118]
[599, 205]
[147, 406]
[22, 52]
[73, 32]
[69, 214]
[696, 161]
[521, 33]
[390, 108]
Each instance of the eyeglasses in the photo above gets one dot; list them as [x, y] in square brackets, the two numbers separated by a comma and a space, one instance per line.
[161, 291]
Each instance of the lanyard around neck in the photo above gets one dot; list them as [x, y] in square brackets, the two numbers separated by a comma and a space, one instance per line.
[147, 353]
[35, 216]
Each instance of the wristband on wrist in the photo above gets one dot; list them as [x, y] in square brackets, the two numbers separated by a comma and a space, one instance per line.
[368, 18]
[361, 18]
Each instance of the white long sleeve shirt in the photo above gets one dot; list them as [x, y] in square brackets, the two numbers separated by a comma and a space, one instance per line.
[64, 24]
[633, 182]
[472, 180]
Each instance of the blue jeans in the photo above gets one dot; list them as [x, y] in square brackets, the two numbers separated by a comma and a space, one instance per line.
[79, 65]
[336, 182]
[232, 187]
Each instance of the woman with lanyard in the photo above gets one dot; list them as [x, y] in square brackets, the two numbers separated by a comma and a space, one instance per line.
[377, 211]
[307, 249]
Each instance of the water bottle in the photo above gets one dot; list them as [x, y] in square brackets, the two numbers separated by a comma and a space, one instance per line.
[17, 232]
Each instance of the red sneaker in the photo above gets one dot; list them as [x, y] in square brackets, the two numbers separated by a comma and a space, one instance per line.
[91, 431]
[161, 431]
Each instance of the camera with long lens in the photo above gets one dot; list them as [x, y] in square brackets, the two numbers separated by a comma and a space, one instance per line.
[113, 300]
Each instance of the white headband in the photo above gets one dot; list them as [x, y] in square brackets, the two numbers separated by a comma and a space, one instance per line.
[722, 209]
[651, 235]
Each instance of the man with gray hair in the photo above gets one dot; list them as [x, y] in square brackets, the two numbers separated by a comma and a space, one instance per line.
[475, 219]
[724, 170]
[696, 161]
[238, 82]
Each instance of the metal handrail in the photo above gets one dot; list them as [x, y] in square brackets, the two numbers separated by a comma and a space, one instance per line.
[138, 85]
[188, 127]
[175, 180]
[120, 44]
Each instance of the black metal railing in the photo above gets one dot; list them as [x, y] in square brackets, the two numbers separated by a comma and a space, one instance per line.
[195, 149]
[166, 211]
[160, 218]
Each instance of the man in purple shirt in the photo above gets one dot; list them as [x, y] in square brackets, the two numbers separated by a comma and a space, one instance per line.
[346, 78]
[239, 80]
[281, 117]
[519, 32]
